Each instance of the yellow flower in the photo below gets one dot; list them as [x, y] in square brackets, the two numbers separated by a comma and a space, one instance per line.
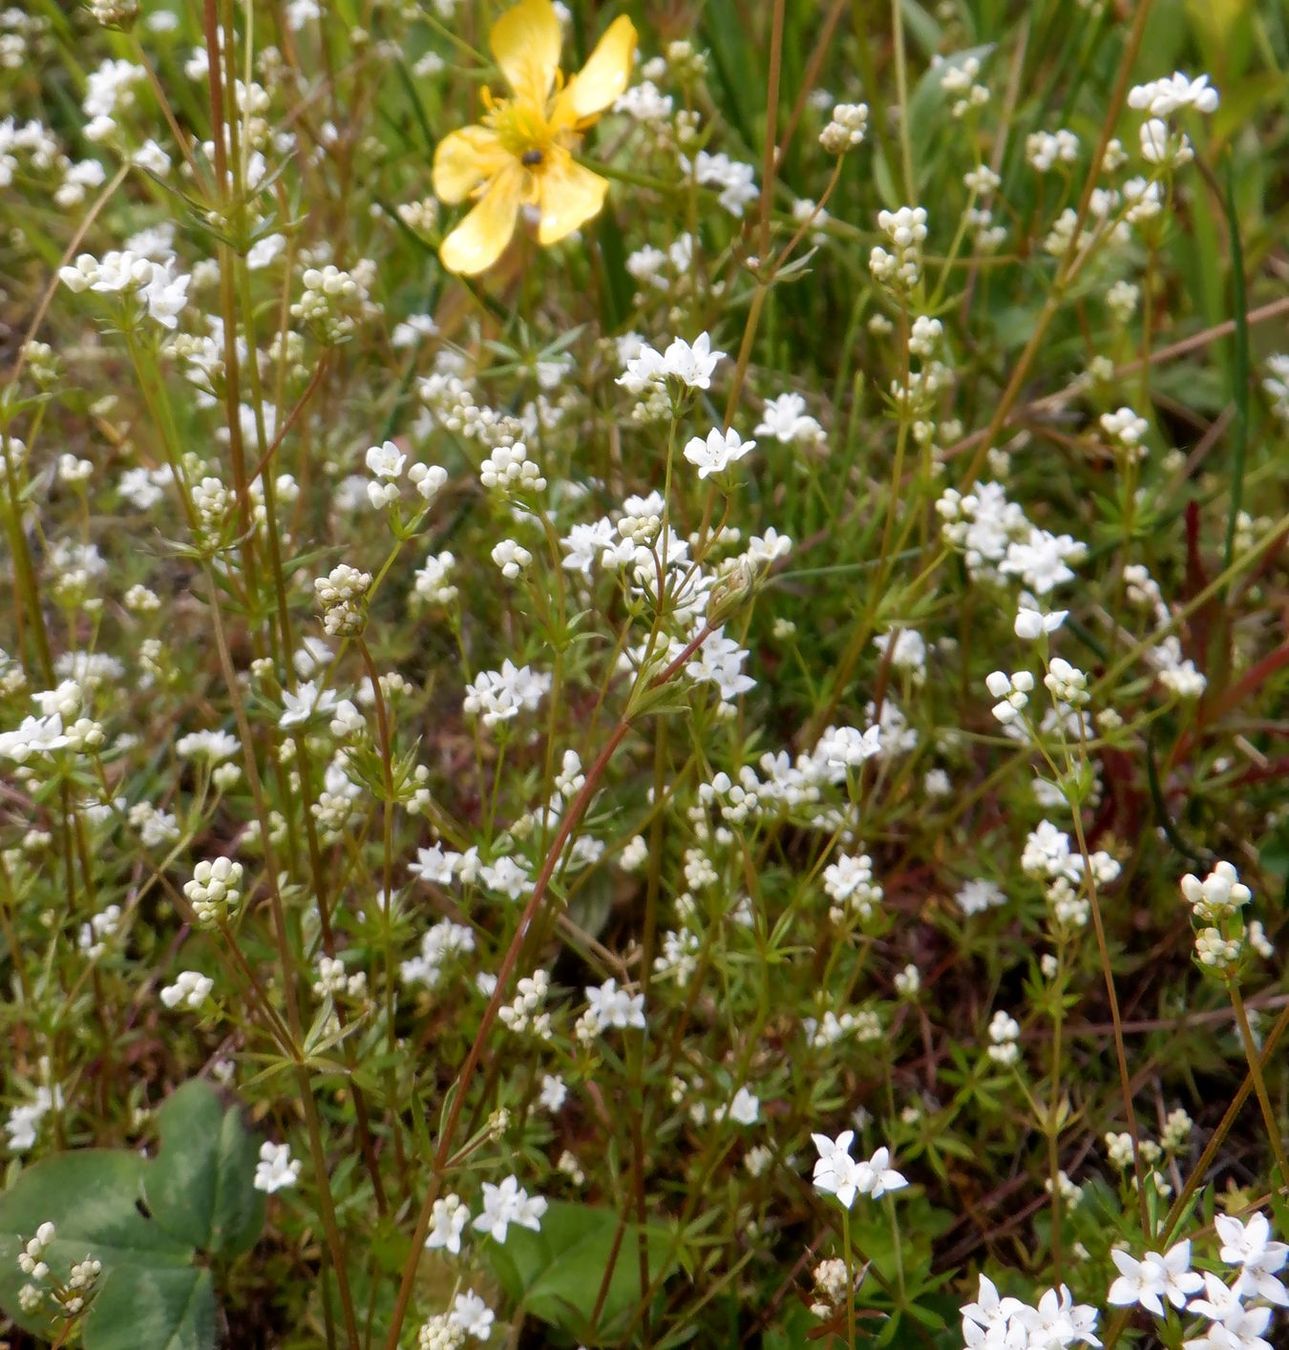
[521, 153]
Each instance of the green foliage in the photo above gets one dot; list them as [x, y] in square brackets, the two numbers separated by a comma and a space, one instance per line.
[155, 1225]
[557, 1275]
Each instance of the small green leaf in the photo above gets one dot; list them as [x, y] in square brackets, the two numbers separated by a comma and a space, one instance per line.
[201, 1185]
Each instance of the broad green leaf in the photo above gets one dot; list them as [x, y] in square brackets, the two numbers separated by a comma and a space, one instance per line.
[555, 1275]
[91, 1197]
[200, 1187]
[154, 1307]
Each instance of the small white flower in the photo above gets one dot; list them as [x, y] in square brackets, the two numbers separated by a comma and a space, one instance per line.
[1154, 1278]
[448, 1219]
[276, 1168]
[717, 452]
[471, 1315]
[506, 1204]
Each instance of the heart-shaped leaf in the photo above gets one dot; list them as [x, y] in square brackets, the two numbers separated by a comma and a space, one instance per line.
[201, 1185]
[92, 1198]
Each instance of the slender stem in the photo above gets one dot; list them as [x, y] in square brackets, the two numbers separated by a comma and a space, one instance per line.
[1259, 1082]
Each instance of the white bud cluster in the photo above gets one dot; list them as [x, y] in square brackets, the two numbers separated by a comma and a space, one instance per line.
[847, 129]
[1004, 1039]
[30, 1259]
[522, 1013]
[190, 990]
[341, 593]
[512, 558]
[1012, 693]
[215, 889]
[331, 302]
[907, 231]
[509, 469]
[334, 980]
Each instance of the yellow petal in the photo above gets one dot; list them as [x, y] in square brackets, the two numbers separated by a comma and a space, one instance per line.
[526, 42]
[606, 74]
[482, 236]
[463, 160]
[569, 196]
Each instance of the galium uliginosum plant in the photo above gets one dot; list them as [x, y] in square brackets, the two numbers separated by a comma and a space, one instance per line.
[657, 639]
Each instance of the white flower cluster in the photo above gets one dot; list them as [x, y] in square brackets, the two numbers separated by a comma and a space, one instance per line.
[1233, 1316]
[24, 1119]
[99, 931]
[510, 470]
[1127, 429]
[1048, 857]
[837, 1173]
[715, 453]
[506, 1204]
[190, 990]
[1046, 149]
[785, 420]
[735, 180]
[335, 981]
[1004, 1039]
[432, 582]
[998, 541]
[1161, 143]
[691, 364]
[849, 884]
[1057, 1321]
[56, 727]
[609, 1006]
[438, 945]
[497, 696]
[162, 291]
[862, 1027]
[1177, 673]
[1276, 384]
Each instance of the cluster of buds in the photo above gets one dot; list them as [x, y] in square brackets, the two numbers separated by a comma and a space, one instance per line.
[522, 1014]
[959, 81]
[335, 982]
[118, 14]
[831, 1280]
[212, 502]
[31, 1259]
[341, 594]
[846, 130]
[214, 889]
[1066, 683]
[906, 229]
[1216, 903]
[1004, 1039]
[69, 1297]
[332, 302]
[1012, 693]
[508, 469]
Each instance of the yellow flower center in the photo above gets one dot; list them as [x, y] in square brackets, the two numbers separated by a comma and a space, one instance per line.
[522, 130]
